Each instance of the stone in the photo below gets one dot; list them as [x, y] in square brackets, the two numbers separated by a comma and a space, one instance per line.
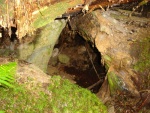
[40, 50]
[63, 58]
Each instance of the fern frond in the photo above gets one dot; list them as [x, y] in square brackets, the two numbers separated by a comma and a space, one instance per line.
[7, 72]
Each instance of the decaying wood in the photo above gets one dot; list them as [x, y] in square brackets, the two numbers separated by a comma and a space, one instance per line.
[27, 13]
[111, 39]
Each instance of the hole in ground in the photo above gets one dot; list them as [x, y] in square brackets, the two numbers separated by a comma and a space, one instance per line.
[84, 66]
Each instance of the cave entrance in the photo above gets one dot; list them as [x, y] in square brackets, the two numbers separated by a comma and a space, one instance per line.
[75, 59]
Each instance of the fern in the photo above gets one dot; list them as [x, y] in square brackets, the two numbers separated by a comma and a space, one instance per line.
[7, 72]
[2, 111]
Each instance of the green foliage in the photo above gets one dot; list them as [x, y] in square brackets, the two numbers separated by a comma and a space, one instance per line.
[113, 82]
[108, 61]
[70, 98]
[7, 72]
[60, 97]
[2, 111]
[21, 100]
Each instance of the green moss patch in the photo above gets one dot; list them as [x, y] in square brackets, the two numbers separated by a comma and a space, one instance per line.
[70, 98]
[60, 96]
[113, 82]
[19, 100]
[143, 63]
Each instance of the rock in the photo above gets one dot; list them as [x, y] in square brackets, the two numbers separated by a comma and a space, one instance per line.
[29, 72]
[40, 50]
[54, 61]
[36, 87]
[63, 58]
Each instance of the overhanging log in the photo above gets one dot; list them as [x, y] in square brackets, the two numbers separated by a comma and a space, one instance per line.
[33, 14]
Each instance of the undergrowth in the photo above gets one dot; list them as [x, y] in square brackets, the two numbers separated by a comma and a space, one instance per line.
[7, 72]
[20, 100]
[60, 96]
[70, 98]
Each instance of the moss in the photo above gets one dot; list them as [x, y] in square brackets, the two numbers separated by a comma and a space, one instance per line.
[60, 97]
[63, 58]
[107, 60]
[48, 14]
[143, 63]
[70, 98]
[113, 82]
[19, 100]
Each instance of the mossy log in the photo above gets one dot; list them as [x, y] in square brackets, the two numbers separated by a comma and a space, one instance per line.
[116, 42]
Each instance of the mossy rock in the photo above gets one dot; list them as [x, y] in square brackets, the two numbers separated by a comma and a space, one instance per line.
[60, 96]
[63, 58]
[44, 94]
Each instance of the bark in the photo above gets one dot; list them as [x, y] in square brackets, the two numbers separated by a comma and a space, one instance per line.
[114, 40]
[32, 14]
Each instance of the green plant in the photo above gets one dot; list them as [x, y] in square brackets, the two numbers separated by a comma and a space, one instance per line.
[60, 97]
[7, 72]
[22, 100]
[70, 98]
[2, 111]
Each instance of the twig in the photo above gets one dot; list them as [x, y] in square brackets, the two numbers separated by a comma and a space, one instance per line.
[144, 102]
[92, 62]
[93, 85]
[139, 5]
